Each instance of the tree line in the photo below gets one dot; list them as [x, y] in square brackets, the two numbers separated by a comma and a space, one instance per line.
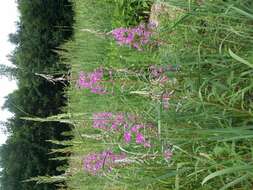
[42, 27]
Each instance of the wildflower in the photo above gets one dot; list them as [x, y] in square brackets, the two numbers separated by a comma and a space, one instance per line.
[165, 100]
[92, 81]
[95, 163]
[147, 144]
[152, 25]
[119, 119]
[120, 34]
[156, 71]
[119, 123]
[140, 138]
[136, 128]
[102, 120]
[108, 121]
[97, 89]
[135, 37]
[167, 154]
[127, 137]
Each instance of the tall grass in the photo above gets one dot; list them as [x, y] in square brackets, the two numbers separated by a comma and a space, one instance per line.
[208, 126]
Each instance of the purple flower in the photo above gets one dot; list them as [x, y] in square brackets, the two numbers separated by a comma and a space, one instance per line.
[97, 89]
[127, 137]
[92, 81]
[94, 163]
[167, 154]
[165, 100]
[152, 25]
[121, 35]
[134, 37]
[159, 73]
[114, 126]
[108, 121]
[102, 120]
[136, 128]
[119, 119]
[156, 71]
[147, 144]
[140, 138]
[119, 124]
[129, 38]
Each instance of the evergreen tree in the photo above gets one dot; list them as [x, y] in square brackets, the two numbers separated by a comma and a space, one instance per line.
[26, 152]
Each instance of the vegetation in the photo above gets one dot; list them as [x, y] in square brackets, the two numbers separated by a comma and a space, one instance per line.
[206, 51]
[173, 113]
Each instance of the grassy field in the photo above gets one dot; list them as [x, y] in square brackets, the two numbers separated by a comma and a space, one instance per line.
[195, 115]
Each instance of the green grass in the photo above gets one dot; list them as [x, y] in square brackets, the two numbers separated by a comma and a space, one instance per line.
[209, 120]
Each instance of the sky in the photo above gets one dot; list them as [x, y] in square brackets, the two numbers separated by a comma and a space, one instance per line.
[8, 17]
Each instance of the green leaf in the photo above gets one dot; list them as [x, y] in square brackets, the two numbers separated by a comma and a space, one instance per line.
[242, 12]
[226, 171]
[236, 181]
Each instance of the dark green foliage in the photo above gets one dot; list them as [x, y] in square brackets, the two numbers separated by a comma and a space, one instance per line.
[10, 72]
[44, 25]
[132, 11]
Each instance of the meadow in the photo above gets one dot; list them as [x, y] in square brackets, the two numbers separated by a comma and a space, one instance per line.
[171, 107]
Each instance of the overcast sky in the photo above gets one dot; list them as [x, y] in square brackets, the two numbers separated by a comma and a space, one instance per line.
[8, 17]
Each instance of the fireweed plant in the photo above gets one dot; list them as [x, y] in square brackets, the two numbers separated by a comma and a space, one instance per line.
[121, 124]
[159, 73]
[92, 81]
[95, 80]
[97, 163]
[137, 37]
[125, 125]
[211, 104]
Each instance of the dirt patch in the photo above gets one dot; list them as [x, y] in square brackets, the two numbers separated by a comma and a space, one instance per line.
[164, 9]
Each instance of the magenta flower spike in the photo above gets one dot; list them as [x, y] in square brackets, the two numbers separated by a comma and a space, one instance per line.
[102, 120]
[127, 137]
[147, 144]
[95, 163]
[140, 138]
[92, 81]
[135, 37]
[167, 154]
[120, 124]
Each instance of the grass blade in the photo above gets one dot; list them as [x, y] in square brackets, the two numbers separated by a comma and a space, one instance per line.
[242, 12]
[236, 181]
[226, 171]
[236, 57]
